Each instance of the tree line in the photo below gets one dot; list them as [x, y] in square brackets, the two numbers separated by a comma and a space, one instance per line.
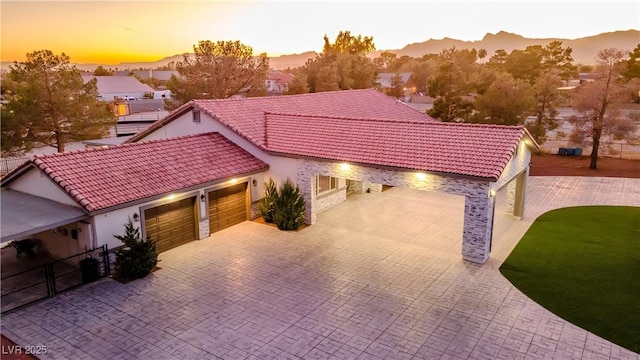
[467, 85]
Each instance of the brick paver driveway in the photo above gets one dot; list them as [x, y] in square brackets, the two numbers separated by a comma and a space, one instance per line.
[379, 277]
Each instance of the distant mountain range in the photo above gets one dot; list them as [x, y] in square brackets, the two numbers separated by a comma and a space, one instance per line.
[584, 49]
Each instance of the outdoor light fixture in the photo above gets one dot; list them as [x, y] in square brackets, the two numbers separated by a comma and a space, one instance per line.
[136, 217]
[344, 166]
[421, 176]
[254, 182]
[203, 198]
[233, 181]
[492, 193]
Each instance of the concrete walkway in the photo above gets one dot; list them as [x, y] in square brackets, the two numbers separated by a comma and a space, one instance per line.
[378, 277]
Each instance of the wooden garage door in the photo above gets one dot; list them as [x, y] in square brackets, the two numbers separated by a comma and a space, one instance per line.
[227, 207]
[172, 224]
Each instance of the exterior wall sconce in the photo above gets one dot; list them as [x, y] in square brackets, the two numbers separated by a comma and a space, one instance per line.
[203, 198]
[254, 182]
[136, 217]
[492, 193]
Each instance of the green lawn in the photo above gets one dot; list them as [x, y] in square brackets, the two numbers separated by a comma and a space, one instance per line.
[583, 264]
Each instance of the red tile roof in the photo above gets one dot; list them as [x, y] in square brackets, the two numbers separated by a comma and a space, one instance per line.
[246, 116]
[477, 150]
[100, 178]
[280, 77]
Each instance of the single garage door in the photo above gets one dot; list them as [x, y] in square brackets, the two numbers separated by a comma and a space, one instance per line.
[171, 224]
[227, 207]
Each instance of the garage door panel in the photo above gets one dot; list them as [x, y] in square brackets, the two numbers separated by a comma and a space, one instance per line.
[227, 207]
[172, 224]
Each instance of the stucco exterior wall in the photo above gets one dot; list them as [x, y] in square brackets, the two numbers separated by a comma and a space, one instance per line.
[59, 242]
[518, 163]
[38, 184]
[112, 223]
[280, 169]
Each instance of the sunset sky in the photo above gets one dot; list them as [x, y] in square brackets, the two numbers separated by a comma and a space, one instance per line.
[111, 32]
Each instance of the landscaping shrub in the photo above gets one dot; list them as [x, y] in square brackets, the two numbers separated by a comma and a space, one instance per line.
[138, 257]
[267, 202]
[288, 207]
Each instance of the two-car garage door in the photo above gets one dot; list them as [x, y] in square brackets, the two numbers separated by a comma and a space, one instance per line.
[175, 224]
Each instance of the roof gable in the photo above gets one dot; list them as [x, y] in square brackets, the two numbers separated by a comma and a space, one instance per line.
[101, 178]
[477, 150]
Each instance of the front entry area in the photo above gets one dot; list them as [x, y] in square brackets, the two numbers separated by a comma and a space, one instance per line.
[172, 224]
[227, 207]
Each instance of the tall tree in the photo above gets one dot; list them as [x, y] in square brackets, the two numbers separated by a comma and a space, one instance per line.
[218, 70]
[507, 101]
[451, 84]
[482, 53]
[559, 59]
[594, 102]
[397, 86]
[299, 84]
[102, 71]
[49, 104]
[631, 71]
[547, 99]
[346, 59]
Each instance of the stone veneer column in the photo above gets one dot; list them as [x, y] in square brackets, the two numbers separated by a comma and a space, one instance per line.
[511, 195]
[203, 227]
[307, 185]
[478, 226]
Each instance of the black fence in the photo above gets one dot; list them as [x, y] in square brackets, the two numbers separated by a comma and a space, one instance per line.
[54, 277]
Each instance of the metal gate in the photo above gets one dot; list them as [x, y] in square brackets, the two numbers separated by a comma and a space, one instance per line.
[54, 277]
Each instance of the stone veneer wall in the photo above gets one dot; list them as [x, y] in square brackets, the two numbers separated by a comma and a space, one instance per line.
[203, 227]
[325, 202]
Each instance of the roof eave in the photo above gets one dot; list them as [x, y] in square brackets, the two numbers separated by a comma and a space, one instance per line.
[182, 190]
[385, 167]
[17, 172]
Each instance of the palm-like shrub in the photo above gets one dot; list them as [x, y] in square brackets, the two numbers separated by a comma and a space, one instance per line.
[138, 257]
[288, 207]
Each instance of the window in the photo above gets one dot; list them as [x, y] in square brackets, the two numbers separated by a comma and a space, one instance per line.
[196, 116]
[326, 183]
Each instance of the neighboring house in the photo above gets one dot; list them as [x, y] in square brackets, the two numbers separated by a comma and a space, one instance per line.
[278, 82]
[385, 82]
[203, 167]
[119, 87]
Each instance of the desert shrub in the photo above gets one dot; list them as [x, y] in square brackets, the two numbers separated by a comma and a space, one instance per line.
[267, 202]
[288, 207]
[138, 257]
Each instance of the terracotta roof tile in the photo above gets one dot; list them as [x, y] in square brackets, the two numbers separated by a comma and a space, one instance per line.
[100, 178]
[246, 116]
[477, 150]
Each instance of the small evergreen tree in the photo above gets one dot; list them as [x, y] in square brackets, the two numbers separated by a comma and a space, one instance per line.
[266, 203]
[138, 257]
[289, 207]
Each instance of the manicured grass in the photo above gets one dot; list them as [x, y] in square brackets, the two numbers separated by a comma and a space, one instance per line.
[583, 264]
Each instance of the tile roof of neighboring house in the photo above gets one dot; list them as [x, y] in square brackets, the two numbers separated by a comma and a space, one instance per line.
[279, 76]
[477, 150]
[246, 116]
[101, 178]
[384, 79]
[118, 84]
